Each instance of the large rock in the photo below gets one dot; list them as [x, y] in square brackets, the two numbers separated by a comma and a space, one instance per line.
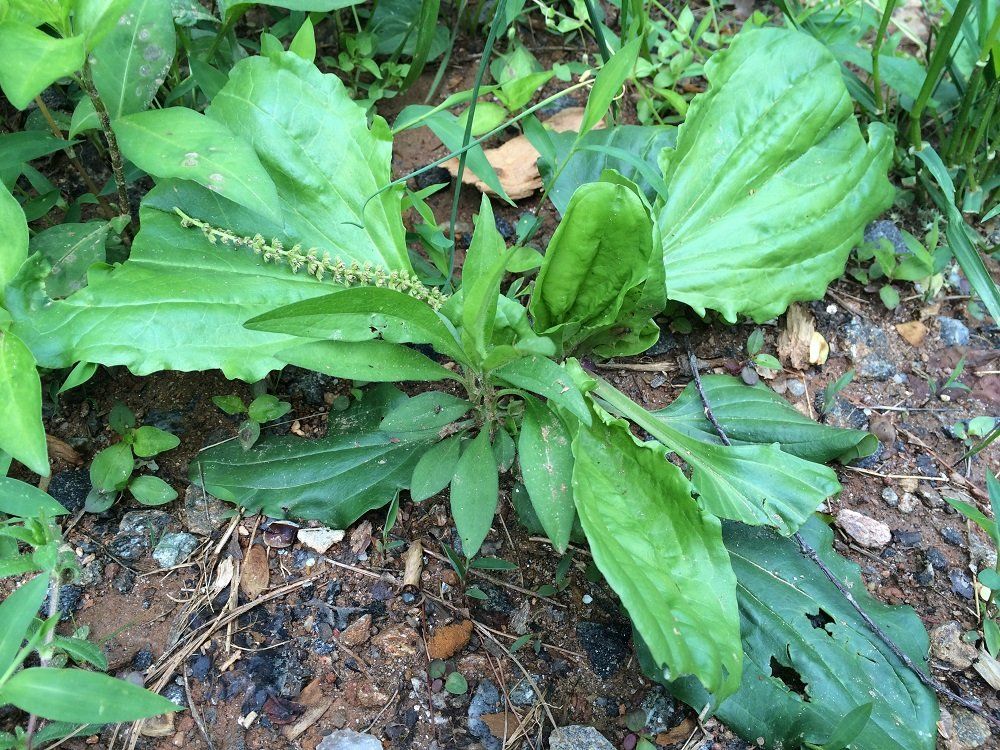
[576, 737]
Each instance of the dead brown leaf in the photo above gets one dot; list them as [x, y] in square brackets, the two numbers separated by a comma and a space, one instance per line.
[795, 340]
[62, 451]
[316, 703]
[514, 161]
[255, 575]
[361, 537]
[681, 732]
[447, 641]
[913, 332]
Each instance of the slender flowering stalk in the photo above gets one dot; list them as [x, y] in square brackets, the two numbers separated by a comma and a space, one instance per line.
[319, 263]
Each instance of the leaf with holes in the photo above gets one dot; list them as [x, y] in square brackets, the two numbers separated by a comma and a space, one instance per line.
[809, 659]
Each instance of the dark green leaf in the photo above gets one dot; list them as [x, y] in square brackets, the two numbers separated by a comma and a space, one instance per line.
[474, 493]
[82, 651]
[758, 415]
[608, 84]
[23, 435]
[334, 479]
[82, 697]
[546, 457]
[17, 612]
[150, 490]
[266, 408]
[374, 361]
[798, 630]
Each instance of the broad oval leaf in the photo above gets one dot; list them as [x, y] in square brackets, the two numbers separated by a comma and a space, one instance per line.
[661, 554]
[546, 378]
[545, 453]
[81, 697]
[771, 183]
[149, 441]
[475, 493]
[184, 144]
[14, 233]
[794, 621]
[372, 361]
[112, 468]
[180, 301]
[433, 472]
[23, 75]
[425, 411]
[150, 490]
[23, 435]
[130, 63]
[70, 249]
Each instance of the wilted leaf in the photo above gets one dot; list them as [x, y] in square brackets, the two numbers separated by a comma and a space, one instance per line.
[255, 573]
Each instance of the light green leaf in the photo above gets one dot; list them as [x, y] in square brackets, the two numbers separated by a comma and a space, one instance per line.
[771, 183]
[23, 435]
[180, 302]
[26, 501]
[150, 441]
[266, 408]
[591, 281]
[546, 378]
[426, 411]
[130, 63]
[14, 234]
[609, 83]
[150, 490]
[96, 18]
[474, 493]
[17, 611]
[754, 415]
[82, 651]
[23, 146]
[181, 143]
[485, 262]
[370, 361]
[799, 630]
[334, 479]
[304, 42]
[112, 468]
[546, 456]
[662, 555]
[362, 314]
[70, 249]
[31, 60]
[81, 697]
[433, 472]
[230, 404]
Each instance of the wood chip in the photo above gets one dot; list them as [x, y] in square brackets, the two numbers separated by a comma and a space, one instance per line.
[255, 575]
[413, 566]
[988, 668]
[795, 340]
[60, 450]
[913, 332]
[316, 704]
[223, 577]
[502, 725]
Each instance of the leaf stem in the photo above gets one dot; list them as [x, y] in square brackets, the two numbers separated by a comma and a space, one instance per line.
[117, 166]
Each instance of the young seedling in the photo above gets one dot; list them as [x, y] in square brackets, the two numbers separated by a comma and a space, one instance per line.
[264, 408]
[112, 468]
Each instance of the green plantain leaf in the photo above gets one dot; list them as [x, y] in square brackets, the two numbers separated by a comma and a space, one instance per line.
[180, 301]
[771, 183]
[82, 697]
[592, 281]
[13, 236]
[431, 410]
[660, 553]
[809, 659]
[474, 493]
[546, 378]
[70, 249]
[184, 144]
[31, 60]
[433, 472]
[372, 361]
[130, 63]
[334, 479]
[753, 415]
[545, 453]
[600, 150]
[22, 435]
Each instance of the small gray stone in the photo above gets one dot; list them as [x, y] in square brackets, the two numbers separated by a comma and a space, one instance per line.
[937, 559]
[662, 711]
[953, 332]
[864, 530]
[174, 548]
[931, 497]
[796, 387]
[953, 536]
[204, 513]
[961, 584]
[869, 348]
[523, 695]
[486, 700]
[883, 229]
[345, 739]
[947, 646]
[981, 553]
[136, 533]
[908, 503]
[890, 497]
[970, 732]
[576, 737]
